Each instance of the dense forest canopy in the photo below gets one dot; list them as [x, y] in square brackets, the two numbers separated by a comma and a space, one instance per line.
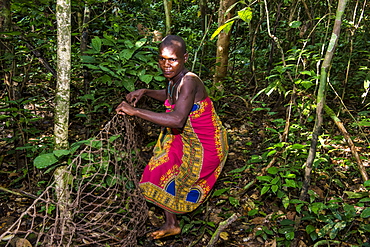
[267, 99]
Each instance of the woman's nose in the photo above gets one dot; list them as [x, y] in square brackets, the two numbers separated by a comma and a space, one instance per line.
[167, 63]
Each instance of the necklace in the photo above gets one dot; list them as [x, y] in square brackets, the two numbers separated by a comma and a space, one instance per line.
[172, 86]
[170, 89]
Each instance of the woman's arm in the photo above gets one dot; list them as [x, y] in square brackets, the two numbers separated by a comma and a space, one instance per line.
[174, 119]
[135, 96]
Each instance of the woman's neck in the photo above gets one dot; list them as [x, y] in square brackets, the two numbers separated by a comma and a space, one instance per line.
[177, 78]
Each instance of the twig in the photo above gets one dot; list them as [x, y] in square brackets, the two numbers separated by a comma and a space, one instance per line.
[346, 136]
[18, 193]
[222, 226]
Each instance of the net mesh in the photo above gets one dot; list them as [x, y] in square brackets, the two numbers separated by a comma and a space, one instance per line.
[100, 203]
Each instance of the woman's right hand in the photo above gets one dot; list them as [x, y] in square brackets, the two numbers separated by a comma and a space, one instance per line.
[135, 96]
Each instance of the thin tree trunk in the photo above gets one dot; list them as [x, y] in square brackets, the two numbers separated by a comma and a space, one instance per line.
[84, 29]
[61, 118]
[321, 96]
[167, 11]
[203, 14]
[320, 107]
[223, 44]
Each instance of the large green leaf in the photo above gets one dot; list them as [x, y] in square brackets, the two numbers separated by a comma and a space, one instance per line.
[245, 14]
[365, 213]
[226, 27]
[146, 78]
[45, 160]
[96, 44]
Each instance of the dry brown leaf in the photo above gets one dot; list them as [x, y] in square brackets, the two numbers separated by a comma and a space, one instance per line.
[258, 220]
[224, 235]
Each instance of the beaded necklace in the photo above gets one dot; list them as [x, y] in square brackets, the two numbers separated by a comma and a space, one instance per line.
[171, 86]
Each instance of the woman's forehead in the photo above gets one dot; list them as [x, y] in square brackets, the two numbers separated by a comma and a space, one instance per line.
[170, 51]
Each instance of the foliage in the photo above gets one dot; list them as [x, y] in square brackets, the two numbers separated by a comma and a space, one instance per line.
[265, 89]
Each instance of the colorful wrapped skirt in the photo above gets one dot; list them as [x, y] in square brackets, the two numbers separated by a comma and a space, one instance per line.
[187, 162]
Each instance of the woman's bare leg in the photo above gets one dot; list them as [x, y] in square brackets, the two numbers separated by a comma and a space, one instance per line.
[170, 227]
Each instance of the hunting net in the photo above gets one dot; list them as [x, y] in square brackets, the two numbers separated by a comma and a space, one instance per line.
[97, 202]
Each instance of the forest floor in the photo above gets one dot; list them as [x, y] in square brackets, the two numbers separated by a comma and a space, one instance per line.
[247, 137]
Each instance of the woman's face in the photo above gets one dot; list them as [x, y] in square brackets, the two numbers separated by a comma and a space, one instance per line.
[171, 61]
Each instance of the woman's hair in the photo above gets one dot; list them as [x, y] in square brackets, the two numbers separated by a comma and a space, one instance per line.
[174, 41]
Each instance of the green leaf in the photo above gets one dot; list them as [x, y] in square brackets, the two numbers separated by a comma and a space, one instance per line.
[2, 117]
[44, 160]
[310, 229]
[128, 83]
[159, 78]
[296, 201]
[187, 227]
[140, 43]
[274, 188]
[298, 146]
[316, 207]
[273, 170]
[126, 54]
[87, 59]
[265, 189]
[290, 183]
[275, 180]
[365, 213]
[220, 192]
[246, 14]
[286, 222]
[336, 228]
[285, 201]
[96, 44]
[253, 212]
[354, 195]
[106, 79]
[264, 178]
[239, 170]
[233, 201]
[226, 27]
[60, 153]
[113, 138]
[367, 183]
[295, 24]
[289, 235]
[146, 78]
[364, 123]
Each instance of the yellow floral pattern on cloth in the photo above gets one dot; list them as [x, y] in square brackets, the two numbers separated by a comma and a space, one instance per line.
[168, 176]
[220, 137]
[161, 150]
[201, 108]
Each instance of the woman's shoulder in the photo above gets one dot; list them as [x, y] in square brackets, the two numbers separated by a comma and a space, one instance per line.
[191, 74]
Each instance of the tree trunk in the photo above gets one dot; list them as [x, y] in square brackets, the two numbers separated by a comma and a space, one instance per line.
[61, 117]
[203, 14]
[223, 43]
[321, 96]
[84, 29]
[167, 11]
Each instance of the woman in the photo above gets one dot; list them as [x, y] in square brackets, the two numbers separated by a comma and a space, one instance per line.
[192, 147]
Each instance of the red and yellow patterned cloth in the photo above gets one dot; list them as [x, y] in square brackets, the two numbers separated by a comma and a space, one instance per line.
[186, 163]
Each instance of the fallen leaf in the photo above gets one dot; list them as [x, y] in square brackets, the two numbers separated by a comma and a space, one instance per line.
[258, 220]
[224, 235]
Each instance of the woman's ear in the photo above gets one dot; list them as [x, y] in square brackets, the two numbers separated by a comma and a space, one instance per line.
[186, 56]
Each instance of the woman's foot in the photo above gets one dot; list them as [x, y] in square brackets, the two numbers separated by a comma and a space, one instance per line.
[171, 227]
[165, 232]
